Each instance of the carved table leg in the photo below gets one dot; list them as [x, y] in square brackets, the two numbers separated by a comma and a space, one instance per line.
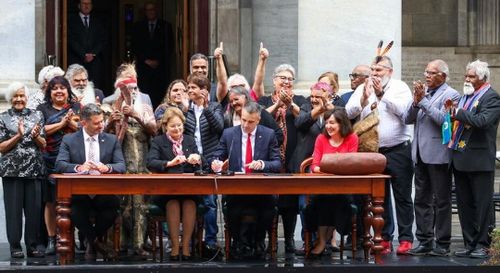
[367, 223]
[65, 237]
[378, 224]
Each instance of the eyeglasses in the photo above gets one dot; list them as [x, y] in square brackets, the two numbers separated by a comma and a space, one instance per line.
[431, 73]
[355, 75]
[285, 78]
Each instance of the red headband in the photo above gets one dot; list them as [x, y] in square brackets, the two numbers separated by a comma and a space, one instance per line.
[125, 81]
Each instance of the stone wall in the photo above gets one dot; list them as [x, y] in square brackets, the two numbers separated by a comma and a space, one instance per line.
[430, 22]
[415, 60]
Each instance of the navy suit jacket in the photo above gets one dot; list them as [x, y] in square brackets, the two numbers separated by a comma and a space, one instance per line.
[72, 152]
[266, 149]
[479, 135]
[161, 152]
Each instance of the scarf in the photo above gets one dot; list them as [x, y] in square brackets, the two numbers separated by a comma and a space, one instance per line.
[280, 117]
[176, 145]
[466, 103]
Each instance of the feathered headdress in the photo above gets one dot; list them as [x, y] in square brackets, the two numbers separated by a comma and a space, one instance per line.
[381, 53]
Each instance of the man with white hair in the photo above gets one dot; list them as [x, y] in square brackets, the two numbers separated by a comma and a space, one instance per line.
[431, 158]
[473, 145]
[37, 96]
[83, 89]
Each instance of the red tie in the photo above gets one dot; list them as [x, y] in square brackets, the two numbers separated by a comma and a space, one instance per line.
[248, 157]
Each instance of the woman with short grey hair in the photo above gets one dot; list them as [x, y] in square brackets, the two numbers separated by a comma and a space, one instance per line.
[21, 169]
[284, 106]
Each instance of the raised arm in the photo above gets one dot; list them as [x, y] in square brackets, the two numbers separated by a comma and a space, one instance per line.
[221, 73]
[260, 72]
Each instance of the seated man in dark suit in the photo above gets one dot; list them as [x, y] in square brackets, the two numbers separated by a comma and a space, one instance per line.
[91, 151]
[249, 148]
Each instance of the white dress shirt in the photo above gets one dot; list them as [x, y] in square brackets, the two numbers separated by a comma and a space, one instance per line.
[244, 139]
[87, 145]
[198, 110]
[391, 108]
[82, 16]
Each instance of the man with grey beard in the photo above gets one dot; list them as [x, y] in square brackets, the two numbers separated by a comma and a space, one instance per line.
[473, 145]
[83, 89]
[392, 98]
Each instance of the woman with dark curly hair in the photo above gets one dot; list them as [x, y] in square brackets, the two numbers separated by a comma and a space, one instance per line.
[61, 114]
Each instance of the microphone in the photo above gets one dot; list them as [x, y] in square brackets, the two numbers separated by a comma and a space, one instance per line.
[228, 172]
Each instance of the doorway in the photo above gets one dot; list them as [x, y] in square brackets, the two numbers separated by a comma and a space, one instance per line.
[119, 17]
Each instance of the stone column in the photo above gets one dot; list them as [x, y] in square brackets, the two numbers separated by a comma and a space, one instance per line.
[17, 50]
[488, 22]
[338, 35]
[275, 24]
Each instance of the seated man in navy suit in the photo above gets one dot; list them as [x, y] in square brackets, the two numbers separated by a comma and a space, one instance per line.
[249, 148]
[89, 150]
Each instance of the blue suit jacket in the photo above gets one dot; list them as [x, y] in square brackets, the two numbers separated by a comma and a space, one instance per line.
[72, 152]
[266, 149]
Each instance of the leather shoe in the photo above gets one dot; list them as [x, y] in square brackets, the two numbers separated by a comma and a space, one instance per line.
[463, 253]
[404, 247]
[106, 251]
[421, 250]
[290, 245]
[35, 253]
[210, 250]
[174, 258]
[315, 256]
[51, 246]
[16, 253]
[186, 258]
[90, 253]
[260, 250]
[141, 253]
[479, 253]
[440, 252]
[387, 247]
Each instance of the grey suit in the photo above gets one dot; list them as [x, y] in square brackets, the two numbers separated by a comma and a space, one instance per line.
[103, 207]
[432, 174]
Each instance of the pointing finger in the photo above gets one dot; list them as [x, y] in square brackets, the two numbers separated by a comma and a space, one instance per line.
[221, 46]
[261, 46]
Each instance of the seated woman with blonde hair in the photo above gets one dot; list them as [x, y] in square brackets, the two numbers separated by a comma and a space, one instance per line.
[174, 152]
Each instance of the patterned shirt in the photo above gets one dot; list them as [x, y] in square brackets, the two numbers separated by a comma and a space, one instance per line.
[25, 158]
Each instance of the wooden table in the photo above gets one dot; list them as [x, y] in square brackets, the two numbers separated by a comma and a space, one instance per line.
[69, 184]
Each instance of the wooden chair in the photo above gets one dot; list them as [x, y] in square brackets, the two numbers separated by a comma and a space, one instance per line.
[114, 231]
[307, 234]
[273, 237]
[157, 216]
